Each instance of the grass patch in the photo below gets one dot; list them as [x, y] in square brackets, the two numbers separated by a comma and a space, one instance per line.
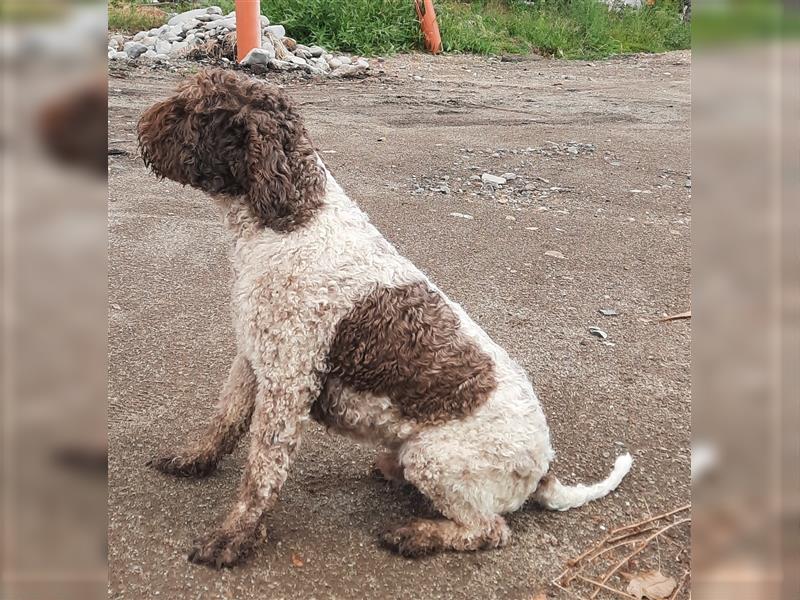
[577, 29]
[132, 17]
[580, 29]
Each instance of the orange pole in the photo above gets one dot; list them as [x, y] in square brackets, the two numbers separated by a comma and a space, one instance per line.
[430, 28]
[248, 27]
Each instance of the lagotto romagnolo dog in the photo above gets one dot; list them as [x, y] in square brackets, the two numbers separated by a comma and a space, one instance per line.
[332, 323]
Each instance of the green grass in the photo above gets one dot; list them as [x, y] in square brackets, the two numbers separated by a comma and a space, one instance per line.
[577, 29]
[580, 29]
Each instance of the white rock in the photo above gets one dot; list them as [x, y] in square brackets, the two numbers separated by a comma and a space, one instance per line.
[281, 65]
[258, 56]
[139, 36]
[277, 30]
[316, 51]
[302, 52]
[296, 60]
[162, 57]
[117, 41]
[189, 25]
[509, 176]
[346, 60]
[334, 63]
[264, 21]
[193, 14]
[493, 179]
[348, 71]
[150, 54]
[134, 49]
[362, 62]
[162, 47]
[179, 48]
[149, 41]
[118, 55]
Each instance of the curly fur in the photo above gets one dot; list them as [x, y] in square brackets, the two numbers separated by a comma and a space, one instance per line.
[225, 134]
[333, 323]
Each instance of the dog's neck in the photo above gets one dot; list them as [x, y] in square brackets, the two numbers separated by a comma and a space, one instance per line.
[240, 221]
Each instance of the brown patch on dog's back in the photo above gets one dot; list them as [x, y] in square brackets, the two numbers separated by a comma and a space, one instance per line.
[405, 342]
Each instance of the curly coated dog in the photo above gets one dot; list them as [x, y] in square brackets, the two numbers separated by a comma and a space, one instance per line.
[332, 323]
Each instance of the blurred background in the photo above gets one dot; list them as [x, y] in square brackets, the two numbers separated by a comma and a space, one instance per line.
[746, 177]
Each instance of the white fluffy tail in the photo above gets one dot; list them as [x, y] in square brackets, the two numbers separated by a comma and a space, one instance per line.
[552, 494]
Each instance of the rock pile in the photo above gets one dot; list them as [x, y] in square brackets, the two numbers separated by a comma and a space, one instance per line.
[207, 33]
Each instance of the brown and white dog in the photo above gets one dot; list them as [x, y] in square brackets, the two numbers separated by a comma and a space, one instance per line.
[332, 323]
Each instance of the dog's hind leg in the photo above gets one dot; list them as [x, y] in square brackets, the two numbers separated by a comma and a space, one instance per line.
[461, 493]
[231, 421]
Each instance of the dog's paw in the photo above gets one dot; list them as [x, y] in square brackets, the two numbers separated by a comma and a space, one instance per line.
[222, 548]
[408, 541]
[184, 466]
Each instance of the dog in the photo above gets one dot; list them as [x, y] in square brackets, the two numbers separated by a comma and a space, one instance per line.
[332, 323]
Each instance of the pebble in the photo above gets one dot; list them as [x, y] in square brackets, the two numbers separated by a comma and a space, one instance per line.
[258, 56]
[554, 254]
[134, 49]
[597, 332]
[461, 215]
[509, 176]
[608, 312]
[277, 30]
[492, 179]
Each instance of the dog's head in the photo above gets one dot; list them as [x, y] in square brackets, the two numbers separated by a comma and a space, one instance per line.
[228, 134]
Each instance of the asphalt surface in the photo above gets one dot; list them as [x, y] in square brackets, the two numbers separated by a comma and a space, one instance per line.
[604, 150]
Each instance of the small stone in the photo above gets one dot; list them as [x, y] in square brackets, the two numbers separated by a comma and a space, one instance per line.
[258, 56]
[290, 43]
[608, 312]
[316, 51]
[346, 60]
[334, 63]
[461, 215]
[178, 48]
[162, 47]
[510, 218]
[492, 179]
[140, 36]
[114, 55]
[554, 254]
[509, 176]
[281, 65]
[348, 71]
[572, 149]
[277, 30]
[134, 49]
[597, 332]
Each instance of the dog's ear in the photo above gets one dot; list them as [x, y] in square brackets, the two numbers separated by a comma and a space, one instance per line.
[286, 183]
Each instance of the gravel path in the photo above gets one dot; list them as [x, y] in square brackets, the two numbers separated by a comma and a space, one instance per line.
[601, 155]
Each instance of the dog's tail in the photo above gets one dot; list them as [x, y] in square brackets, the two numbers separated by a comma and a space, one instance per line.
[552, 494]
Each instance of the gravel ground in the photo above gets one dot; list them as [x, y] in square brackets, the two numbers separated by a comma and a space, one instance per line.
[601, 154]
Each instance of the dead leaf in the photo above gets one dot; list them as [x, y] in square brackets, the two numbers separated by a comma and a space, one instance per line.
[683, 315]
[297, 560]
[652, 585]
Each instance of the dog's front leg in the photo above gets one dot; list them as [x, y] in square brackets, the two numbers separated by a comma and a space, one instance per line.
[281, 413]
[231, 420]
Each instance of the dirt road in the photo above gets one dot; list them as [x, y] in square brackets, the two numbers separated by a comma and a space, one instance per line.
[601, 154]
